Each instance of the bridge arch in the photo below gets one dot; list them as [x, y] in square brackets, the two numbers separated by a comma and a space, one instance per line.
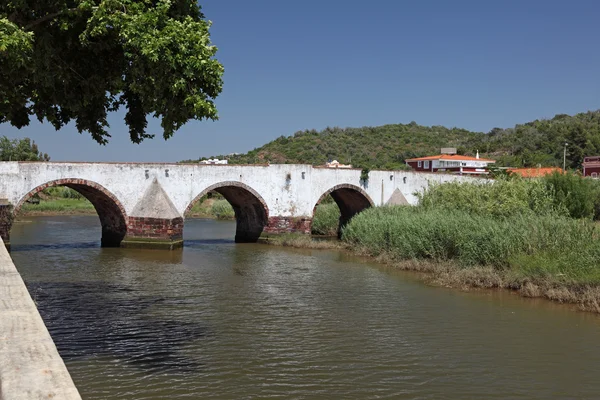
[350, 199]
[251, 211]
[110, 210]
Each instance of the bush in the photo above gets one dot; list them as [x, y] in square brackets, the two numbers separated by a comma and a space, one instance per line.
[221, 209]
[501, 198]
[579, 196]
[326, 219]
[62, 192]
[441, 235]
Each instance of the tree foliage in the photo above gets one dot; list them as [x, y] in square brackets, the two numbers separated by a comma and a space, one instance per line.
[542, 142]
[384, 146]
[64, 60]
[20, 150]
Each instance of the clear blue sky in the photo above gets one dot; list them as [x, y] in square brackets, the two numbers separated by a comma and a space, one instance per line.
[295, 65]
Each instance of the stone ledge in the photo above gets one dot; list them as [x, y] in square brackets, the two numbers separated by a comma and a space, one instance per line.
[151, 243]
[30, 366]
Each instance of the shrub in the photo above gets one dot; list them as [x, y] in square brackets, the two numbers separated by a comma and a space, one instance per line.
[441, 235]
[221, 209]
[501, 198]
[579, 196]
[326, 219]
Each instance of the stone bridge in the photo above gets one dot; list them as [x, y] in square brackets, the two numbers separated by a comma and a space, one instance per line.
[145, 204]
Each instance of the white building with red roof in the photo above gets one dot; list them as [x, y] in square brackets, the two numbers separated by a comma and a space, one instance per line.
[452, 163]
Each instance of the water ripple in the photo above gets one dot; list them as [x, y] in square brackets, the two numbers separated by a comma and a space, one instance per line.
[225, 321]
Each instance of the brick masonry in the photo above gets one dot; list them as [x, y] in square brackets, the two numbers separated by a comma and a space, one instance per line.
[156, 233]
[155, 228]
[278, 225]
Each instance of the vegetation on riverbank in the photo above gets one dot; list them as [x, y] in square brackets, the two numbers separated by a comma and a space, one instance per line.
[537, 237]
[326, 219]
[58, 200]
[214, 207]
[58, 206]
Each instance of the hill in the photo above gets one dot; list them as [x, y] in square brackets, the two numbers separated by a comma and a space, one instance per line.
[526, 145]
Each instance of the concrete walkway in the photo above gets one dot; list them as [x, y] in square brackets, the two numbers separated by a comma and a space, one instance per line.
[30, 366]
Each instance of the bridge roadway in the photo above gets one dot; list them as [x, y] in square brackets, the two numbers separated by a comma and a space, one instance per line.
[145, 204]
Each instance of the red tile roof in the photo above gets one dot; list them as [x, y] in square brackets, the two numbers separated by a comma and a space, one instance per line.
[534, 172]
[450, 157]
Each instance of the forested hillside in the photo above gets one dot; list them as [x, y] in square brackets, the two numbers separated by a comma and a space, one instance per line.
[542, 141]
[527, 145]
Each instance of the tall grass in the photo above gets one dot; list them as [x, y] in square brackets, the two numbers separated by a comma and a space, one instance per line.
[553, 247]
[579, 196]
[221, 209]
[501, 198]
[326, 219]
[557, 194]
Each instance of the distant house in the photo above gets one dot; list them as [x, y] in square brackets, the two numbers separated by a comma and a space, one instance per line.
[591, 167]
[336, 164]
[213, 161]
[452, 163]
[534, 172]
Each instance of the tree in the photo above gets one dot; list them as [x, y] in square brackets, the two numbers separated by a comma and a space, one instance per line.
[20, 150]
[64, 60]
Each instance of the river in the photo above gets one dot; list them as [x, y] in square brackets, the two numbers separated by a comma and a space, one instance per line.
[221, 320]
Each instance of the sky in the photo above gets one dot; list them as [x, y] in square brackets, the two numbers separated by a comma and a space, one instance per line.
[296, 65]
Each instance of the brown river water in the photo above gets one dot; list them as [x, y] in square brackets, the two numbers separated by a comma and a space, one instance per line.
[221, 320]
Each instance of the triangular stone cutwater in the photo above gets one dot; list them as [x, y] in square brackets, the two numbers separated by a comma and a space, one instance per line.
[397, 199]
[155, 204]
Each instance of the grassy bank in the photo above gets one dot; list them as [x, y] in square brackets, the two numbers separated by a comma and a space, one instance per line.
[212, 208]
[549, 257]
[59, 206]
[537, 237]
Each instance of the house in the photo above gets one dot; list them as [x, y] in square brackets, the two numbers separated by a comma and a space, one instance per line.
[534, 172]
[591, 166]
[213, 161]
[336, 164]
[451, 162]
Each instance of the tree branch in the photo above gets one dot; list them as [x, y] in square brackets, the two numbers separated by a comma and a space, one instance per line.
[51, 16]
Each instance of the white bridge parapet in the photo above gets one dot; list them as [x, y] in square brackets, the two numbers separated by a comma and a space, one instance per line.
[280, 197]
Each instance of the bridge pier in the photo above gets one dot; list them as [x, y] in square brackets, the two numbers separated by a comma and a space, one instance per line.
[279, 225]
[154, 222]
[154, 233]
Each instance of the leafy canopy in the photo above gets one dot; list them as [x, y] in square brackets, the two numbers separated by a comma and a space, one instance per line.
[66, 60]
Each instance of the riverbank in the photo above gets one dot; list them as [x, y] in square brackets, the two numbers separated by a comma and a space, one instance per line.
[451, 274]
[58, 206]
[535, 253]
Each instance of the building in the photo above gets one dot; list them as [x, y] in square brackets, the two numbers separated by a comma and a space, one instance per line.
[213, 161]
[451, 162]
[336, 164]
[534, 172]
[591, 166]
